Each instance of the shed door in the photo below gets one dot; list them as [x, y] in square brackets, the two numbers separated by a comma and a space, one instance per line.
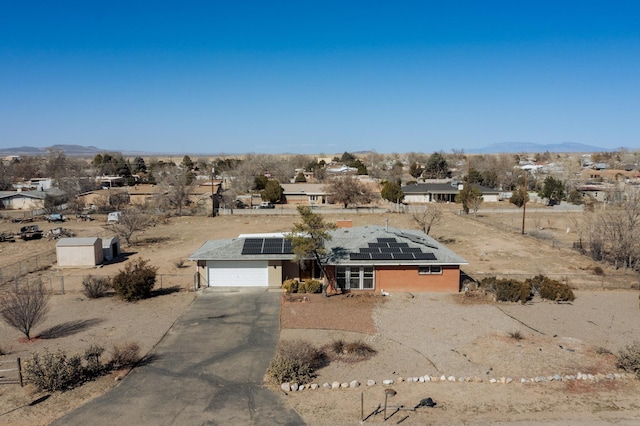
[238, 274]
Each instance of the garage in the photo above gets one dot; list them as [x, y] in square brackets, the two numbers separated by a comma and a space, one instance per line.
[248, 273]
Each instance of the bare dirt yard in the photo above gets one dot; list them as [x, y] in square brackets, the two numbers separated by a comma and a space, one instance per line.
[427, 334]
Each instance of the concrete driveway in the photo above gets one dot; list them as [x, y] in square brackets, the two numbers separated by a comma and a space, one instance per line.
[208, 370]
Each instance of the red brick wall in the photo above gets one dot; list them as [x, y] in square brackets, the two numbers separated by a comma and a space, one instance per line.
[406, 278]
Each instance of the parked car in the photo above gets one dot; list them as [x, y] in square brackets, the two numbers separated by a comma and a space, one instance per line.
[55, 217]
[265, 205]
[30, 232]
[113, 217]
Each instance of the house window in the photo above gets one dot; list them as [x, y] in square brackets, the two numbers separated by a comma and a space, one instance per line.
[355, 277]
[428, 270]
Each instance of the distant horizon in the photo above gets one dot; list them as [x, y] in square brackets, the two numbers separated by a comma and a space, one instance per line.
[303, 78]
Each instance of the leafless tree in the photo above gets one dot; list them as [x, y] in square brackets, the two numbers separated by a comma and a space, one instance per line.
[25, 307]
[427, 217]
[176, 184]
[131, 221]
[348, 190]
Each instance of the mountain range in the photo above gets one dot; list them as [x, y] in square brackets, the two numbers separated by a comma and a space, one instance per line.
[504, 147]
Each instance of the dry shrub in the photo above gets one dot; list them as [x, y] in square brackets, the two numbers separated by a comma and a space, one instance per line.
[54, 371]
[598, 271]
[283, 370]
[135, 281]
[551, 289]
[295, 361]
[507, 290]
[302, 351]
[124, 355]
[353, 351]
[95, 287]
[629, 358]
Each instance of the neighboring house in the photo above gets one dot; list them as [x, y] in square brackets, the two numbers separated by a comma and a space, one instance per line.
[443, 192]
[310, 194]
[369, 258]
[79, 252]
[30, 200]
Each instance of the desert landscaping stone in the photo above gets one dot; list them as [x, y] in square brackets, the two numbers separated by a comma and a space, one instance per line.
[314, 386]
[344, 385]
[387, 382]
[354, 384]
[294, 387]
[335, 385]
[285, 387]
[443, 378]
[371, 382]
[326, 385]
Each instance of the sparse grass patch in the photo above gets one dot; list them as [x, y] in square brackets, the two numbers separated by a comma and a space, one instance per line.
[516, 335]
[124, 355]
[350, 351]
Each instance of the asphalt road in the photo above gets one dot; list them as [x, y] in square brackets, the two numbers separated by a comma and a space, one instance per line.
[207, 370]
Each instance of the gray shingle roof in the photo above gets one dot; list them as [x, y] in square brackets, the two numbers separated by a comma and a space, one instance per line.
[344, 242]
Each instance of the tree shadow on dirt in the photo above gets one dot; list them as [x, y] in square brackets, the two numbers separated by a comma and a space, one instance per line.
[67, 328]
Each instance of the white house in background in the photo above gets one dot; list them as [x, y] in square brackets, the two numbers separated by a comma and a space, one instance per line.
[79, 252]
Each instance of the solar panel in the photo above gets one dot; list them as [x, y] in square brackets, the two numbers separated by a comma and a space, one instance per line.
[412, 250]
[253, 246]
[403, 256]
[360, 256]
[382, 256]
[390, 249]
[386, 240]
[378, 244]
[425, 256]
[370, 250]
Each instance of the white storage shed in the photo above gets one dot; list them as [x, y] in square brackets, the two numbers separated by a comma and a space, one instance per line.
[78, 252]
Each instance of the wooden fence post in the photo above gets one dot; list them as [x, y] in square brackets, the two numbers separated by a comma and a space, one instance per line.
[20, 372]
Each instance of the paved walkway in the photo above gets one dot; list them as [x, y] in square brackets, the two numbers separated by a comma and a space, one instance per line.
[208, 370]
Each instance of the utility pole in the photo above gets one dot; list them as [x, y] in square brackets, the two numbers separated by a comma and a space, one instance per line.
[213, 198]
[524, 203]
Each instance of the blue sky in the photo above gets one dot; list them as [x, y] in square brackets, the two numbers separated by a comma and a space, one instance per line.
[318, 76]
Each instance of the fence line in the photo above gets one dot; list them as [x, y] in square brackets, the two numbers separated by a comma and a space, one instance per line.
[574, 280]
[33, 263]
[62, 284]
[4, 380]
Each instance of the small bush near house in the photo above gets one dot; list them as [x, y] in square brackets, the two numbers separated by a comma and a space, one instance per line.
[551, 289]
[290, 286]
[54, 371]
[313, 286]
[135, 281]
[295, 361]
[283, 370]
[507, 290]
[629, 358]
[124, 355]
[95, 287]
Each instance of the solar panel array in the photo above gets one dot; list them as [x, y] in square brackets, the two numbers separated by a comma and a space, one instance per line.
[267, 246]
[391, 249]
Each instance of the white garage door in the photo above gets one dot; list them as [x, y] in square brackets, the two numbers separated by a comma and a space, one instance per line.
[238, 274]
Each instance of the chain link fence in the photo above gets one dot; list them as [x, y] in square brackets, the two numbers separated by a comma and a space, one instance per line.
[63, 284]
[34, 263]
[575, 281]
